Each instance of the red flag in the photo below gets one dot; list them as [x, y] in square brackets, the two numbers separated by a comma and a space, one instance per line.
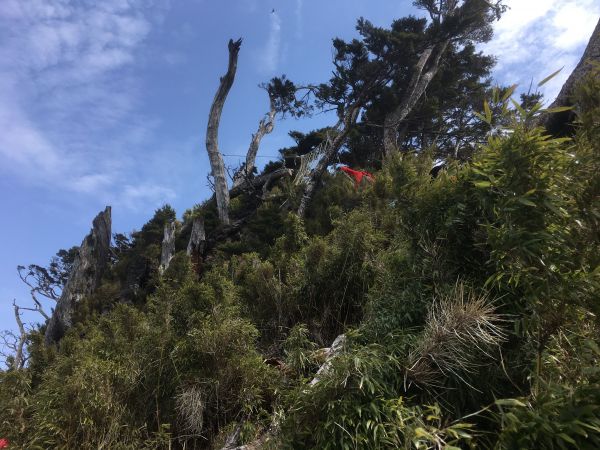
[4, 443]
[358, 175]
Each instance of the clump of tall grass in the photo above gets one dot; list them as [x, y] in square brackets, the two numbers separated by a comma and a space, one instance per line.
[460, 327]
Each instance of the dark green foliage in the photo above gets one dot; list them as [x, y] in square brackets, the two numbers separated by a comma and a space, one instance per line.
[282, 93]
[49, 282]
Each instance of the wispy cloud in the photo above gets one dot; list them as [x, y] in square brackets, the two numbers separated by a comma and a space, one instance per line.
[137, 197]
[537, 37]
[299, 20]
[67, 74]
[272, 51]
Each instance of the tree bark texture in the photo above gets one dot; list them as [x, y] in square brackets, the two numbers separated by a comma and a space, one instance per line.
[88, 268]
[330, 353]
[555, 123]
[212, 133]
[19, 358]
[419, 81]
[197, 244]
[168, 246]
[265, 126]
[331, 149]
[197, 238]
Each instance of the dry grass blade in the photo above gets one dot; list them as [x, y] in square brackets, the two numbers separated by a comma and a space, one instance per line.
[461, 328]
[190, 408]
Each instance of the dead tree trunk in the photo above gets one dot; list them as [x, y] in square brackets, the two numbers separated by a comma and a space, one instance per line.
[19, 361]
[330, 353]
[556, 123]
[168, 246]
[212, 133]
[332, 145]
[265, 126]
[197, 238]
[419, 81]
[196, 244]
[85, 276]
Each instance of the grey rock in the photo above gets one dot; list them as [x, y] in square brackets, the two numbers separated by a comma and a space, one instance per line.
[85, 276]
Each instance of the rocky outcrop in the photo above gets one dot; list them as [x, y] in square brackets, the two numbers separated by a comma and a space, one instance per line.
[556, 123]
[168, 246]
[86, 273]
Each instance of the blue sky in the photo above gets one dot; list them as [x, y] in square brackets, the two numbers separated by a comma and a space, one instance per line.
[105, 102]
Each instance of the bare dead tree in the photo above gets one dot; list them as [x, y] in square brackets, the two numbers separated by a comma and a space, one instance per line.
[12, 346]
[19, 359]
[212, 133]
[40, 282]
[265, 126]
[168, 246]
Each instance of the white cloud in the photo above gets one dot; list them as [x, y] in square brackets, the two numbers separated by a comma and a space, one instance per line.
[139, 197]
[299, 21]
[272, 51]
[574, 23]
[22, 144]
[91, 183]
[69, 89]
[537, 37]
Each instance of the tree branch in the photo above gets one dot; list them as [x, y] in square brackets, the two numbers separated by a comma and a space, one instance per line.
[44, 283]
[19, 359]
[265, 126]
[252, 184]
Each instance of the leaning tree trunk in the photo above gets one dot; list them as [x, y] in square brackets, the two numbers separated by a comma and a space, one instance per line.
[556, 123]
[88, 268]
[212, 133]
[331, 149]
[416, 87]
[265, 126]
[19, 360]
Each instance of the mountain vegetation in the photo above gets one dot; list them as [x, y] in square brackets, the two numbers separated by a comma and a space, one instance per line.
[448, 302]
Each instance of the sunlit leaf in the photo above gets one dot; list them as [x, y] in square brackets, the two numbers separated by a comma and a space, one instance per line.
[549, 77]
[509, 92]
[558, 109]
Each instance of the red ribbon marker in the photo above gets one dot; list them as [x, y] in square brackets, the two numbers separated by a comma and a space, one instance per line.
[358, 175]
